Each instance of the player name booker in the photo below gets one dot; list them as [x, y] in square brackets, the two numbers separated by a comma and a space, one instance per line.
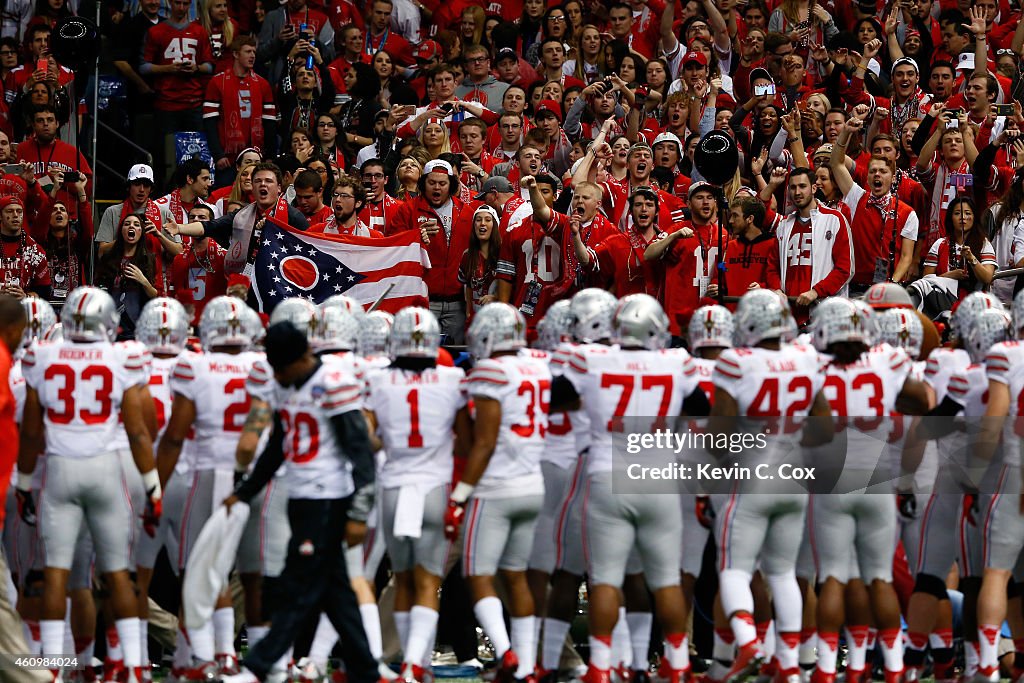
[709, 472]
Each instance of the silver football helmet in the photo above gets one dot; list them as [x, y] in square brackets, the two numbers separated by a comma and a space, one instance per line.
[54, 334]
[163, 326]
[762, 314]
[991, 326]
[640, 321]
[592, 310]
[224, 323]
[496, 327]
[555, 327]
[374, 330]
[333, 329]
[885, 295]
[415, 334]
[711, 327]
[89, 315]
[900, 327]
[837, 320]
[298, 312]
[346, 303]
[39, 318]
[869, 317]
[254, 325]
[968, 309]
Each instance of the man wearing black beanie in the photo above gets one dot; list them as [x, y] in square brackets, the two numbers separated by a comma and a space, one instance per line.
[320, 429]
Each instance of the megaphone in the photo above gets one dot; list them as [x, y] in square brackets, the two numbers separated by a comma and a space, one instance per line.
[716, 157]
[75, 42]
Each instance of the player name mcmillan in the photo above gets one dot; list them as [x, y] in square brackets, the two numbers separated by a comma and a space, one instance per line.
[711, 472]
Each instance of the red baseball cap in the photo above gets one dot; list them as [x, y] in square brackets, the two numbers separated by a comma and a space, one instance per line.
[427, 50]
[694, 56]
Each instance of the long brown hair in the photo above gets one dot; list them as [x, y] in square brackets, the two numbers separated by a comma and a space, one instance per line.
[109, 267]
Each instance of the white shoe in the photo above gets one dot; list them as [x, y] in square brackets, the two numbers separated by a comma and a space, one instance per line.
[475, 663]
[385, 672]
[308, 671]
[243, 676]
[275, 676]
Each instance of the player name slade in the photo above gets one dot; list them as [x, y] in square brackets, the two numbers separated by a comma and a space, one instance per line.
[709, 472]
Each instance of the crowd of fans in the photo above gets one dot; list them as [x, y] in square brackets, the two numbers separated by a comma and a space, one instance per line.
[537, 147]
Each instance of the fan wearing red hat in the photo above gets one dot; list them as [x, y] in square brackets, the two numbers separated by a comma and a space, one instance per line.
[444, 223]
[23, 264]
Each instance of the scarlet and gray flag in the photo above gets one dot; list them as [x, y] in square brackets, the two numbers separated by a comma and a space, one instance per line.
[316, 266]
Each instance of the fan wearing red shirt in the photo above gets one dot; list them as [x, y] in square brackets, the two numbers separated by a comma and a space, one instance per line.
[347, 200]
[380, 206]
[531, 269]
[12, 318]
[884, 228]
[309, 197]
[43, 150]
[752, 257]
[197, 273]
[379, 36]
[174, 51]
[444, 223]
[239, 110]
[617, 263]
[691, 255]
[639, 162]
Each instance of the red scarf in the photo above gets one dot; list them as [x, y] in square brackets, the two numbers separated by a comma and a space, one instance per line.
[152, 213]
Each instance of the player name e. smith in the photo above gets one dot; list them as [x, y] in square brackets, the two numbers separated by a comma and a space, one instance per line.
[710, 472]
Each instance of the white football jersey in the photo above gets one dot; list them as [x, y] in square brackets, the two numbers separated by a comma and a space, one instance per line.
[942, 363]
[969, 388]
[776, 386]
[523, 387]
[216, 384]
[80, 387]
[1005, 364]
[316, 464]
[647, 388]
[135, 347]
[576, 422]
[559, 441]
[160, 390]
[415, 415]
[862, 396]
[16, 380]
[770, 383]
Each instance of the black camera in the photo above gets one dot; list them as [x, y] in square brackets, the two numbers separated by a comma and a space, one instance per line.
[72, 176]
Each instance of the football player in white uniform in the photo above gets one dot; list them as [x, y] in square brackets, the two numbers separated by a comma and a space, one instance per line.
[210, 398]
[929, 614]
[764, 378]
[22, 545]
[867, 382]
[1002, 522]
[502, 488]
[320, 429]
[641, 378]
[77, 389]
[418, 409]
[265, 541]
[556, 561]
[163, 327]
